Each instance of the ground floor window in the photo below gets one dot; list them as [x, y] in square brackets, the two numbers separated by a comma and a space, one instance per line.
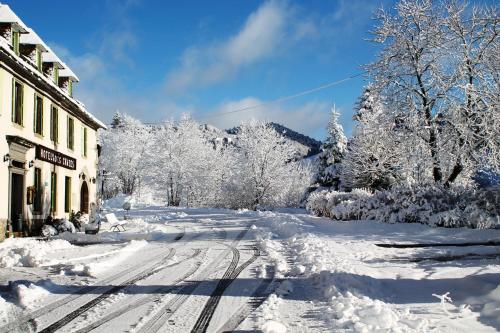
[67, 194]
[37, 203]
[53, 192]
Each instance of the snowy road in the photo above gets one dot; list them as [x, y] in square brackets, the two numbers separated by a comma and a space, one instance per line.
[182, 279]
[181, 270]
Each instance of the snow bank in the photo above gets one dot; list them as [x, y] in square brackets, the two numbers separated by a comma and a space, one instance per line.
[272, 326]
[491, 308]
[283, 225]
[345, 310]
[352, 302]
[28, 252]
[6, 310]
[95, 269]
[29, 296]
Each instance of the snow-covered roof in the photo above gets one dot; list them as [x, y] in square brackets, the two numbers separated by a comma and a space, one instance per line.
[8, 16]
[32, 38]
[67, 72]
[50, 56]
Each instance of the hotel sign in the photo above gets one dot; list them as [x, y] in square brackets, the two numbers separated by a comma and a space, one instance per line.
[55, 157]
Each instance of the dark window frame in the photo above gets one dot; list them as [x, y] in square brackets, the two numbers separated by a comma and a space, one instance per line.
[53, 192]
[54, 124]
[67, 194]
[37, 202]
[38, 115]
[70, 133]
[17, 102]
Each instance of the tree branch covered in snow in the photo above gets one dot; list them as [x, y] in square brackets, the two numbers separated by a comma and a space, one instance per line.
[437, 75]
[186, 165]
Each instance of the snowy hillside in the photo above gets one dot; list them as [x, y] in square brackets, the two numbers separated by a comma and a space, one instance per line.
[306, 145]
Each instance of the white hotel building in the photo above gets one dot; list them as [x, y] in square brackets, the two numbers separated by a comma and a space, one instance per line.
[48, 140]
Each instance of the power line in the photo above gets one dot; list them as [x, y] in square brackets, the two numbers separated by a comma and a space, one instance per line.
[286, 98]
[277, 100]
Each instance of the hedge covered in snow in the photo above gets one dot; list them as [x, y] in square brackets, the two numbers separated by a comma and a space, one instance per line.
[433, 205]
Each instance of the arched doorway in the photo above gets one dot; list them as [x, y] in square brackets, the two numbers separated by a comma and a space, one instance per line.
[84, 198]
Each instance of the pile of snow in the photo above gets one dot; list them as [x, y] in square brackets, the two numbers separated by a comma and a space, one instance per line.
[272, 326]
[270, 317]
[6, 310]
[352, 302]
[491, 308]
[28, 252]
[95, 269]
[29, 296]
[282, 225]
[345, 310]
[274, 249]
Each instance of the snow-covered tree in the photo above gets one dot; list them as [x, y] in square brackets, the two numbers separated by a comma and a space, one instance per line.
[438, 75]
[178, 157]
[332, 153]
[269, 174]
[183, 162]
[368, 104]
[373, 157]
[123, 149]
[471, 111]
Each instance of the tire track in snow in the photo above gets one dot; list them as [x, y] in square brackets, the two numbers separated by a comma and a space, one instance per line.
[144, 300]
[27, 322]
[162, 315]
[208, 311]
[257, 298]
[183, 293]
[82, 309]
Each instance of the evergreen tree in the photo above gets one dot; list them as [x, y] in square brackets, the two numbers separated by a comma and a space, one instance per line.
[117, 120]
[333, 150]
[368, 104]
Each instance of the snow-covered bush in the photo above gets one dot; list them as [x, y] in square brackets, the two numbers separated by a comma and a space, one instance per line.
[457, 206]
[335, 204]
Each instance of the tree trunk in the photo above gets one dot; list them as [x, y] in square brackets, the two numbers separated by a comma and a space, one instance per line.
[457, 169]
[436, 170]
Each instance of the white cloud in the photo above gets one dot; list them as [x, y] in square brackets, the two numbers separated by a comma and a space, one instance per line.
[263, 34]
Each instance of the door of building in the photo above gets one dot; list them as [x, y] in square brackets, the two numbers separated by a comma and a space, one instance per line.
[16, 201]
[84, 198]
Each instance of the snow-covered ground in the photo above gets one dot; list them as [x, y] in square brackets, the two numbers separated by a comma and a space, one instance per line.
[217, 270]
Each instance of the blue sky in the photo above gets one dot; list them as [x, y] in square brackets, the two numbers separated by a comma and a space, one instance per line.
[158, 59]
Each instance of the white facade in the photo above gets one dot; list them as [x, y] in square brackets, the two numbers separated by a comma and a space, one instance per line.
[34, 186]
